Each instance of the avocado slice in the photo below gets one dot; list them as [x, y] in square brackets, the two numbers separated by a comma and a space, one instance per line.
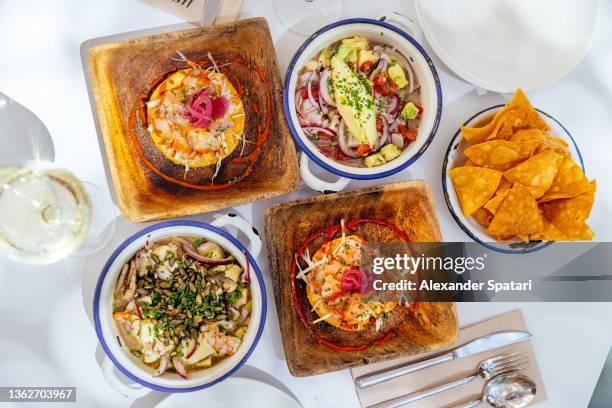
[325, 58]
[374, 160]
[410, 111]
[358, 43]
[396, 73]
[347, 53]
[354, 102]
[390, 152]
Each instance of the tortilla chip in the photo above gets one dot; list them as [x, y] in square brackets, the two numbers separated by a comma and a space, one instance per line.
[529, 136]
[569, 182]
[474, 186]
[570, 214]
[532, 118]
[548, 233]
[483, 217]
[493, 204]
[517, 114]
[469, 163]
[499, 154]
[536, 173]
[518, 214]
[480, 134]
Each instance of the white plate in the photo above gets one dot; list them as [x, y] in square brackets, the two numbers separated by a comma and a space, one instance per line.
[502, 45]
[234, 392]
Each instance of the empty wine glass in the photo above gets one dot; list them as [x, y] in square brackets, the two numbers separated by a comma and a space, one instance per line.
[306, 16]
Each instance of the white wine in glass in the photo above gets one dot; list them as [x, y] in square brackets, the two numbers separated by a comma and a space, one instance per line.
[45, 212]
[307, 16]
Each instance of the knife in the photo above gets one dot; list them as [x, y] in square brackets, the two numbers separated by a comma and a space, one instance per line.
[210, 11]
[482, 344]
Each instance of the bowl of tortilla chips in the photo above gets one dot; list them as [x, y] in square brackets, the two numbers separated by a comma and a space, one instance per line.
[514, 179]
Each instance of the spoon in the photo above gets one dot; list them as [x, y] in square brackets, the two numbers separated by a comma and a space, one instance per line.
[507, 391]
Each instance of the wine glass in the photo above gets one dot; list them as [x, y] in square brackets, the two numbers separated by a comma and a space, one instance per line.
[306, 16]
[46, 213]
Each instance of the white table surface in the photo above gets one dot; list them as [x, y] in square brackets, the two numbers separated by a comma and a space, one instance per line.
[46, 337]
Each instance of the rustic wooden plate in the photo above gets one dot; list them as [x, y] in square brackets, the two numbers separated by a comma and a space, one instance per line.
[408, 205]
[147, 186]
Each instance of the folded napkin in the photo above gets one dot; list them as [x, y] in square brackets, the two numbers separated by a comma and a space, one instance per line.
[452, 370]
[193, 10]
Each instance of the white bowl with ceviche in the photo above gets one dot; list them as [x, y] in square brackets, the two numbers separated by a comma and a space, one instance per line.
[380, 106]
[180, 306]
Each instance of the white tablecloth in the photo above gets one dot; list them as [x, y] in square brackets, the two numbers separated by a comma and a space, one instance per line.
[46, 337]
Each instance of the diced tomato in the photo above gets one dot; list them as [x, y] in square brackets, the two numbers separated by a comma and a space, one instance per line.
[410, 134]
[363, 149]
[315, 92]
[384, 85]
[365, 67]
[420, 108]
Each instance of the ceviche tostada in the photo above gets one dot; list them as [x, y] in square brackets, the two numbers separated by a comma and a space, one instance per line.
[358, 102]
[335, 286]
[196, 117]
[182, 304]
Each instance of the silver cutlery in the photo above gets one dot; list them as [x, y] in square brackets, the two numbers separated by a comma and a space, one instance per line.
[506, 391]
[486, 369]
[486, 343]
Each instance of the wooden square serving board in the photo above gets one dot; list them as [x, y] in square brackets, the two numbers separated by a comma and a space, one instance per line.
[408, 205]
[146, 185]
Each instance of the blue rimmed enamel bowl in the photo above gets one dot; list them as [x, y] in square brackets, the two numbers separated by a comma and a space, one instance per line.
[455, 157]
[424, 70]
[143, 375]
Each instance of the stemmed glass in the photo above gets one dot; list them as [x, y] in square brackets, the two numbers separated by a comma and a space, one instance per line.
[46, 213]
[306, 16]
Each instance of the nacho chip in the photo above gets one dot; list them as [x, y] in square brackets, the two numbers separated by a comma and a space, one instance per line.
[548, 233]
[474, 186]
[517, 114]
[499, 154]
[536, 173]
[570, 214]
[469, 163]
[493, 204]
[483, 217]
[556, 142]
[569, 182]
[518, 214]
[529, 136]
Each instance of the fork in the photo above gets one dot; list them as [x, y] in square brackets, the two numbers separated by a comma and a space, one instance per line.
[486, 369]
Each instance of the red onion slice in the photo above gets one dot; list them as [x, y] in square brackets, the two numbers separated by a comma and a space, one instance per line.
[313, 129]
[311, 98]
[191, 251]
[324, 88]
[382, 65]
[138, 310]
[354, 280]
[194, 346]
[179, 367]
[163, 366]
[342, 142]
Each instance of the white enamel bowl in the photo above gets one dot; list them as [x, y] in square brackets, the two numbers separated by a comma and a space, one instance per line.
[117, 356]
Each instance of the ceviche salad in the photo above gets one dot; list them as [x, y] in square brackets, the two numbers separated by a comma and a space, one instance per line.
[359, 102]
[182, 304]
